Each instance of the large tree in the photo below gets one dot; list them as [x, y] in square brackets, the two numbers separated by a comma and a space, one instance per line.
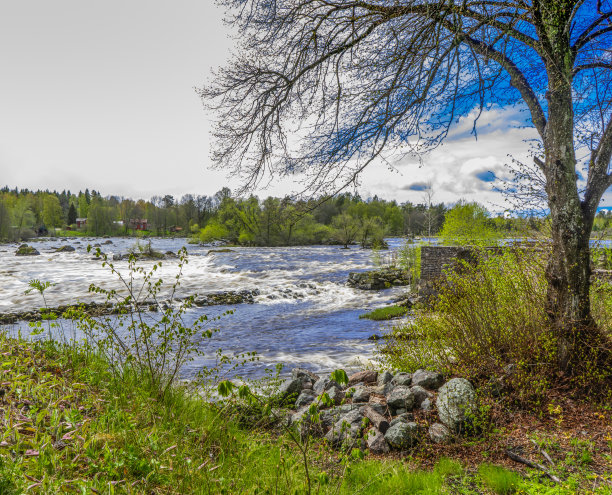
[326, 86]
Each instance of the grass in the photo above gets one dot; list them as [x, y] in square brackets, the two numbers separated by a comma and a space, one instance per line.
[387, 313]
[498, 479]
[67, 426]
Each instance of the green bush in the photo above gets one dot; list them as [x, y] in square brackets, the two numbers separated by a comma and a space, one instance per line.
[488, 315]
[213, 232]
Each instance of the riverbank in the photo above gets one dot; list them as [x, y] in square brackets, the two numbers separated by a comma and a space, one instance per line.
[69, 425]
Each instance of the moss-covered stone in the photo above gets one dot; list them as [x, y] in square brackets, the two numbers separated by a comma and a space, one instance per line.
[25, 250]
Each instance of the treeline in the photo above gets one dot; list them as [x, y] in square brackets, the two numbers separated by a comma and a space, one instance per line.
[344, 219]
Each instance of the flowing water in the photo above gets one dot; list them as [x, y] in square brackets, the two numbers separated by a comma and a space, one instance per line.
[304, 314]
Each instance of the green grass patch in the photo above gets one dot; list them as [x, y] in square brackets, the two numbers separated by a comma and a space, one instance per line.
[387, 313]
[499, 480]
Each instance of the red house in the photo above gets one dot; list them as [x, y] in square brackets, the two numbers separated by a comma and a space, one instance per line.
[81, 222]
[138, 224]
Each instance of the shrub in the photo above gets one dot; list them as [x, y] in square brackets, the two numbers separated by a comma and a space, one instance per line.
[135, 340]
[488, 315]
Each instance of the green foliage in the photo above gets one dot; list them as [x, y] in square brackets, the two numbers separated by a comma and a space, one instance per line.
[409, 259]
[386, 313]
[340, 377]
[213, 232]
[468, 223]
[488, 315]
[499, 480]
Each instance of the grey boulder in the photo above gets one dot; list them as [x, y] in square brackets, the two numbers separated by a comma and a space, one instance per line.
[323, 385]
[456, 402]
[439, 433]
[402, 379]
[401, 397]
[420, 394]
[427, 379]
[376, 442]
[290, 388]
[361, 394]
[305, 398]
[402, 435]
[384, 378]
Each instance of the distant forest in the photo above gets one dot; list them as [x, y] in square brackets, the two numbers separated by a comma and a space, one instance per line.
[344, 219]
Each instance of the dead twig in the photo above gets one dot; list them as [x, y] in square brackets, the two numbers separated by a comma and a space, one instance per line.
[515, 457]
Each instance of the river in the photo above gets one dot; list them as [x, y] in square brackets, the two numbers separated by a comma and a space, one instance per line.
[304, 314]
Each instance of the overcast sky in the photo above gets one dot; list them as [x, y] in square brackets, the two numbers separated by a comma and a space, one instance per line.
[101, 95]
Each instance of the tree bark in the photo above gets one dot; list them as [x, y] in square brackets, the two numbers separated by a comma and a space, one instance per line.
[569, 270]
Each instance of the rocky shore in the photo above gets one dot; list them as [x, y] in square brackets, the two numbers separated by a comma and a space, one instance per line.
[380, 411]
[384, 278]
[102, 309]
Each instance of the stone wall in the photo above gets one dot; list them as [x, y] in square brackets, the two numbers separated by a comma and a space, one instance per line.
[434, 260]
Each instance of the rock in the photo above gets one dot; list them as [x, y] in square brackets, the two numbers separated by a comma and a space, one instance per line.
[402, 379]
[405, 301]
[439, 433]
[346, 431]
[376, 442]
[329, 416]
[305, 398]
[379, 408]
[25, 250]
[64, 249]
[426, 405]
[384, 378]
[456, 400]
[304, 375]
[405, 417]
[427, 379]
[383, 389]
[402, 435]
[227, 298]
[303, 421]
[420, 394]
[361, 394]
[367, 376]
[290, 388]
[324, 384]
[400, 398]
[336, 394]
[378, 279]
[378, 420]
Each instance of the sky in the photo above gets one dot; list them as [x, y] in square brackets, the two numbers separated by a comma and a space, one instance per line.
[101, 95]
